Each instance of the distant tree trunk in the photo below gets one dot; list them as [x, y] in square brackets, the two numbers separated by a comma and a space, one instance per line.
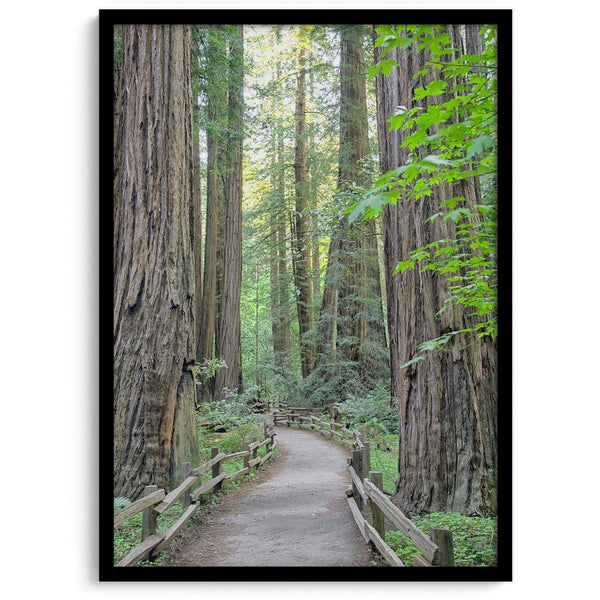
[154, 269]
[278, 255]
[282, 349]
[208, 312]
[360, 309]
[352, 292]
[230, 320]
[282, 248]
[446, 402]
[316, 258]
[315, 273]
[302, 249]
[284, 288]
[196, 217]
[274, 285]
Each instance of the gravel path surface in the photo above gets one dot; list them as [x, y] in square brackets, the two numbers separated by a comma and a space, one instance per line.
[294, 513]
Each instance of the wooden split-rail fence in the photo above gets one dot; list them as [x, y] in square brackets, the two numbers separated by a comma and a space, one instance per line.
[367, 492]
[155, 502]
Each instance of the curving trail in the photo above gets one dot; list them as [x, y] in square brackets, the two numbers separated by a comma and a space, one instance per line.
[294, 513]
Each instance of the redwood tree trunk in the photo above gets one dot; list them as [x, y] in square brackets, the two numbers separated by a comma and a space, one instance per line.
[214, 113]
[229, 342]
[359, 305]
[446, 402]
[154, 269]
[352, 291]
[280, 326]
[301, 250]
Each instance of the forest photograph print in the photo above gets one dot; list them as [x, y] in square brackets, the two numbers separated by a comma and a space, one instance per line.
[310, 250]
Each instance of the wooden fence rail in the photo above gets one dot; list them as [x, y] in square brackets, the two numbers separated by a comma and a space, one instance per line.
[155, 502]
[366, 492]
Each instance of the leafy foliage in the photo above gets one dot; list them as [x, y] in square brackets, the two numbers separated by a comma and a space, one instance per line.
[206, 370]
[474, 538]
[232, 410]
[450, 140]
[371, 412]
[128, 535]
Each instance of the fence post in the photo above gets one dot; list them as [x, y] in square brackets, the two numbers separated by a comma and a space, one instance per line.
[148, 518]
[216, 469]
[247, 457]
[366, 459]
[361, 438]
[443, 539]
[185, 471]
[376, 478]
[356, 456]
[255, 449]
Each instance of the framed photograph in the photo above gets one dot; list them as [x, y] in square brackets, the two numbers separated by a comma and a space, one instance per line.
[306, 269]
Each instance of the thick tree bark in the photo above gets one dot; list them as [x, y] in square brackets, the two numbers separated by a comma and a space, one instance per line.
[302, 243]
[446, 402]
[229, 341]
[154, 269]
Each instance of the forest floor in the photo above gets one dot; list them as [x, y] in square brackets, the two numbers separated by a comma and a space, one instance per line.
[293, 513]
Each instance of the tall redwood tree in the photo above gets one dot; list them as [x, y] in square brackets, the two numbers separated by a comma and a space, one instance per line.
[447, 403]
[154, 267]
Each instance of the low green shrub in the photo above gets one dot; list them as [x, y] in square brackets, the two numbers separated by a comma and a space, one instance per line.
[474, 538]
[232, 410]
[129, 534]
[373, 412]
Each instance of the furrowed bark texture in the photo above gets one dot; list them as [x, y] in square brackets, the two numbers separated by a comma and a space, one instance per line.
[216, 116]
[447, 403]
[154, 269]
[229, 332]
[301, 250]
[196, 216]
[280, 322]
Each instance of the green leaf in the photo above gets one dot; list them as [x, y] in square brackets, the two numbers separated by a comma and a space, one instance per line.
[452, 202]
[457, 214]
[436, 160]
[397, 121]
[479, 145]
[367, 205]
[403, 266]
[412, 361]
[433, 89]
[433, 217]
[387, 65]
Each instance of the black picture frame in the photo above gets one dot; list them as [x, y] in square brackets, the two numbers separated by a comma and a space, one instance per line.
[503, 570]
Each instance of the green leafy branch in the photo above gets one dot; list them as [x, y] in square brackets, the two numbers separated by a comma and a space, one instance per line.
[449, 140]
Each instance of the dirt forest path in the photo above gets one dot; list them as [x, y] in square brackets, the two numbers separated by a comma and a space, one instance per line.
[294, 513]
